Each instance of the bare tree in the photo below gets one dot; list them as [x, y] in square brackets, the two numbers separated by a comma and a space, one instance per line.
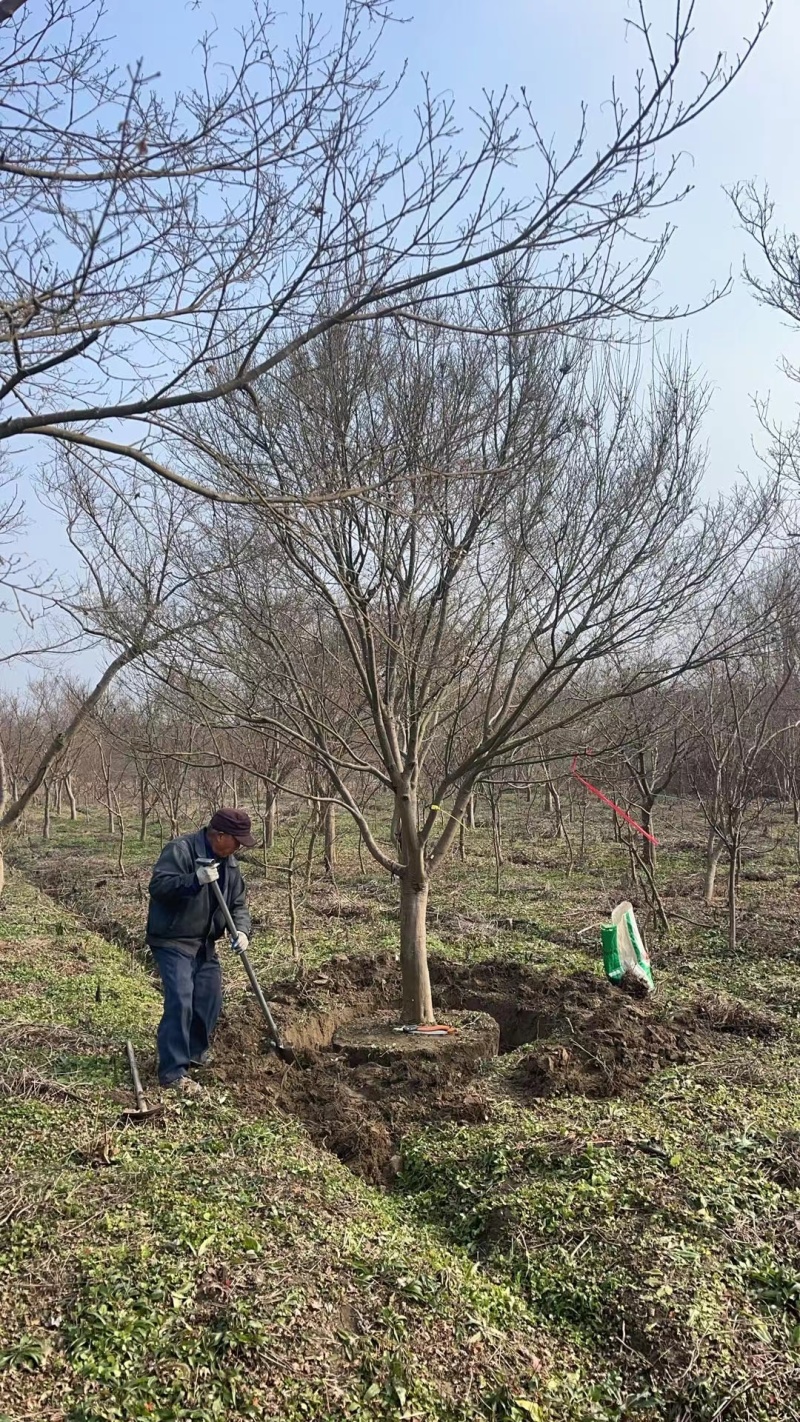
[136, 595]
[739, 719]
[552, 792]
[786, 755]
[535, 524]
[651, 737]
[777, 282]
[162, 250]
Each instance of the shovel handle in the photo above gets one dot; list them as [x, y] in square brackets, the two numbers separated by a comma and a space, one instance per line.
[246, 964]
[141, 1104]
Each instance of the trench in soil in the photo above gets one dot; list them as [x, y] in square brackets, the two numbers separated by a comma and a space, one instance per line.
[360, 1094]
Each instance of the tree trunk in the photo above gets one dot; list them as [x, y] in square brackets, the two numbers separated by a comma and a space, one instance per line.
[56, 746]
[713, 855]
[417, 1000]
[552, 805]
[142, 810]
[559, 826]
[46, 818]
[2, 871]
[270, 822]
[570, 851]
[462, 852]
[330, 839]
[584, 808]
[73, 804]
[57, 805]
[733, 859]
[396, 831]
[633, 863]
[497, 843]
[311, 842]
[471, 812]
[293, 939]
[649, 853]
[121, 842]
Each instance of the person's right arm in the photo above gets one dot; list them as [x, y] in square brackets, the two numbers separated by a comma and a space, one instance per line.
[174, 877]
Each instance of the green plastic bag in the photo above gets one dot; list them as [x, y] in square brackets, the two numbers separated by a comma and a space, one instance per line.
[624, 953]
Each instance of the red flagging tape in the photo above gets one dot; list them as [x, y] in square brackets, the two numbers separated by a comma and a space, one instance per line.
[593, 790]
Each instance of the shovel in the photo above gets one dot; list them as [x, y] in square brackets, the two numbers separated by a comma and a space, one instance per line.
[143, 1112]
[285, 1053]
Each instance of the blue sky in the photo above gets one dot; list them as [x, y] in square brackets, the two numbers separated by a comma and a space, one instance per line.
[563, 51]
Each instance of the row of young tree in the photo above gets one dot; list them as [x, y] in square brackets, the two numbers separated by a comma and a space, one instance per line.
[374, 494]
[526, 552]
[724, 740]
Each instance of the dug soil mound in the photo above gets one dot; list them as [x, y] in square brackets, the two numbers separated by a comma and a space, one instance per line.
[570, 1034]
[357, 1103]
[606, 1045]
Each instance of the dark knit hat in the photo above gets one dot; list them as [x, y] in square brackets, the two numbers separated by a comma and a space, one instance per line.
[234, 822]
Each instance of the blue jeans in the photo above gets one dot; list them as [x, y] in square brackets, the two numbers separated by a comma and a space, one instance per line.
[192, 1003]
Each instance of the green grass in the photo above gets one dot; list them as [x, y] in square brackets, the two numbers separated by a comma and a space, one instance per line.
[633, 1258]
[679, 1267]
[220, 1267]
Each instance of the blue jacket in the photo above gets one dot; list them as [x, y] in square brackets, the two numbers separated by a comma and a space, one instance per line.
[184, 914]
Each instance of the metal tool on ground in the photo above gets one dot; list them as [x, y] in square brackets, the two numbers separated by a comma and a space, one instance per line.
[143, 1112]
[285, 1053]
[426, 1029]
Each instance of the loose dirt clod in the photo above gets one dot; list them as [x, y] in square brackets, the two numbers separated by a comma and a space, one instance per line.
[608, 1051]
[728, 1014]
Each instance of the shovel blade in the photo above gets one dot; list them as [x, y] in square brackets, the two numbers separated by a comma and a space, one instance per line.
[135, 1117]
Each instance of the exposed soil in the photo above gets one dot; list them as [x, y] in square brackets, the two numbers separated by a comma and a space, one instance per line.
[360, 1093]
[474, 1037]
[605, 1048]
[587, 1037]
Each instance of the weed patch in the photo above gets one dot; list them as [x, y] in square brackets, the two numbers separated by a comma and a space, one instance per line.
[599, 1225]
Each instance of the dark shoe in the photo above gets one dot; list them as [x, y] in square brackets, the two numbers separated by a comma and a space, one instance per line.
[206, 1060]
[184, 1086]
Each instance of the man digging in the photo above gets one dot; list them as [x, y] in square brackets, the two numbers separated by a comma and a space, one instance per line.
[183, 923]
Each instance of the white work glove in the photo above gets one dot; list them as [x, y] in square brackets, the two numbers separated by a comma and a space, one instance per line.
[207, 873]
[242, 941]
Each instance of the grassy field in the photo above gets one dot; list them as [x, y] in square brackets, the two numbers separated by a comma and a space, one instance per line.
[625, 1246]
